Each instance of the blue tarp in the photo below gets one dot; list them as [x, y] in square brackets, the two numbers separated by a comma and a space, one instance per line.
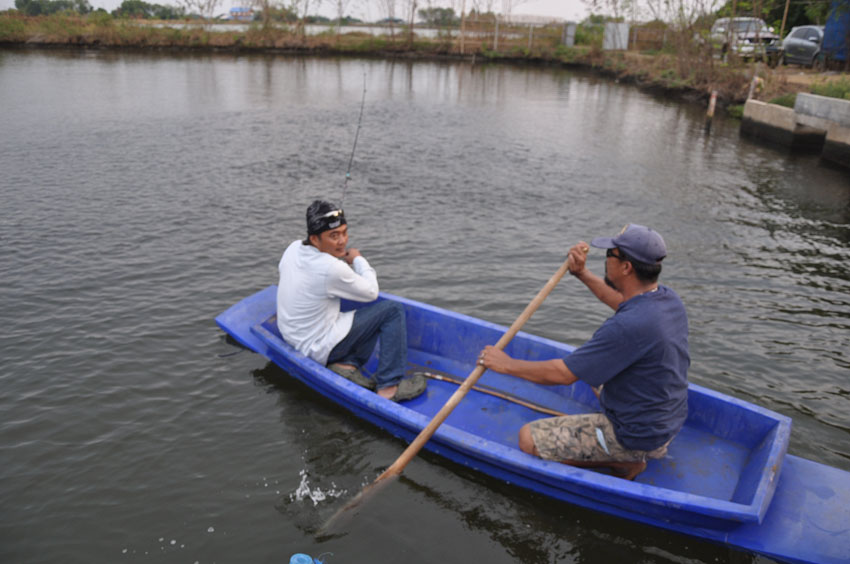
[837, 31]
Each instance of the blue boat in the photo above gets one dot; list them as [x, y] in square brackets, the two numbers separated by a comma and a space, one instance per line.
[726, 478]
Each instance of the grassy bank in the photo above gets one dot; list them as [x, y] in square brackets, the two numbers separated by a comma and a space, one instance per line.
[689, 70]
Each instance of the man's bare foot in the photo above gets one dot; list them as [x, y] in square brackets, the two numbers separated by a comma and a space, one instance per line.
[387, 392]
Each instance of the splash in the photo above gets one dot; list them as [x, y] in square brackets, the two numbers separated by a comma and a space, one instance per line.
[315, 495]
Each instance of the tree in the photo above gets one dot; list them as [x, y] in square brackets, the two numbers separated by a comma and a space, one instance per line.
[438, 17]
[265, 8]
[410, 8]
[301, 8]
[143, 10]
[165, 12]
[509, 5]
[341, 6]
[47, 7]
[204, 8]
[133, 9]
[389, 10]
[772, 11]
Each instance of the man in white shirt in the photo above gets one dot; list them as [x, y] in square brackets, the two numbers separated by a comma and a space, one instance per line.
[314, 275]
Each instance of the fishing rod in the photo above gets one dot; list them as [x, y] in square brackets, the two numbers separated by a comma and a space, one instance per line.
[354, 148]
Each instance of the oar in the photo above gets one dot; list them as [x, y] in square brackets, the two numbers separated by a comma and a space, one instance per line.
[396, 468]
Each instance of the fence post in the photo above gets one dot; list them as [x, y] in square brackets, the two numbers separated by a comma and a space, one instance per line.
[496, 35]
[530, 37]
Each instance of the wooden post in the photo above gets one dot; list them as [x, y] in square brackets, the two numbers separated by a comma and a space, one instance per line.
[754, 81]
[496, 35]
[530, 37]
[709, 115]
[784, 19]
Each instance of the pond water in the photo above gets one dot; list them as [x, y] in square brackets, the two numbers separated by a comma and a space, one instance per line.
[143, 194]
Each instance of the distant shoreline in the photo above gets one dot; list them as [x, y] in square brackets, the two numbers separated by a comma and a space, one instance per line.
[659, 73]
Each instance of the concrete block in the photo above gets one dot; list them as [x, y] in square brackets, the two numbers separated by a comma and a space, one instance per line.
[769, 122]
[813, 121]
[836, 147]
[830, 109]
[770, 114]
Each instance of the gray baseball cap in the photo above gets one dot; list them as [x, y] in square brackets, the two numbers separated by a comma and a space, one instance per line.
[639, 242]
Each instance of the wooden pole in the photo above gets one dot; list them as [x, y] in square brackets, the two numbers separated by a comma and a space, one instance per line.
[754, 81]
[709, 115]
[784, 19]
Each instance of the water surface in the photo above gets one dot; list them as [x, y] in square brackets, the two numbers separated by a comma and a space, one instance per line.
[143, 194]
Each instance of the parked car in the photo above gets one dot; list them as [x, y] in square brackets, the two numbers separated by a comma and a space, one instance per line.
[802, 45]
[746, 37]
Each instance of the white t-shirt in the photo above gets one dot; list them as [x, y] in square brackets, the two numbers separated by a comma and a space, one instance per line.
[308, 296]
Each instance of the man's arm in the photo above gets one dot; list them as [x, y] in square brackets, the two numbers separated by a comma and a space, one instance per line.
[547, 372]
[606, 294]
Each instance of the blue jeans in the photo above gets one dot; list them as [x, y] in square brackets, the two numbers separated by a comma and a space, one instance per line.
[386, 320]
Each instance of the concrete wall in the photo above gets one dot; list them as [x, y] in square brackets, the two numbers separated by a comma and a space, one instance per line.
[832, 110]
[836, 148]
[778, 125]
[811, 130]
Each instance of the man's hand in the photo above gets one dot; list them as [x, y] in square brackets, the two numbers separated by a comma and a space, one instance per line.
[494, 359]
[577, 258]
[350, 254]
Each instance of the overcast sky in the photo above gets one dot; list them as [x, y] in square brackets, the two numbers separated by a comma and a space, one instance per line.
[572, 10]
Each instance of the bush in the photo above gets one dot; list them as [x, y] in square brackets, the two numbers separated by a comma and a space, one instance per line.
[565, 54]
[587, 34]
[12, 29]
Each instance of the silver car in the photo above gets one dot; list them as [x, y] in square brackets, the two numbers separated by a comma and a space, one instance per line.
[746, 37]
[802, 45]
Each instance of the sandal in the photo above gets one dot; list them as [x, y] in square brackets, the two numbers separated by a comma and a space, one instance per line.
[354, 375]
[410, 388]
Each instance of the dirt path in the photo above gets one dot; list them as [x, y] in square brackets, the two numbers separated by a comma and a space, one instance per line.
[798, 76]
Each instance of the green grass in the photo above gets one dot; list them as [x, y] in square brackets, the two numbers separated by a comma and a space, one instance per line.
[834, 89]
[786, 100]
[736, 111]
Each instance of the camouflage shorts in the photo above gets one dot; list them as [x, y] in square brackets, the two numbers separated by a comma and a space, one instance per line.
[584, 437]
